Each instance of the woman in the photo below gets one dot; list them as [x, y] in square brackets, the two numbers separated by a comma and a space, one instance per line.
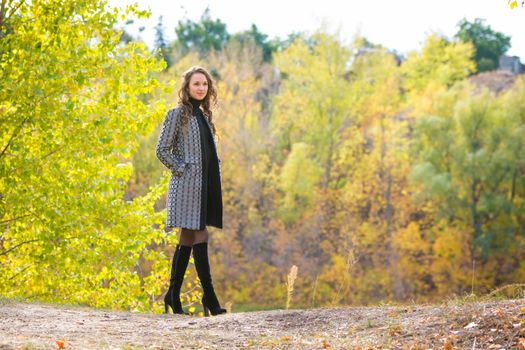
[187, 147]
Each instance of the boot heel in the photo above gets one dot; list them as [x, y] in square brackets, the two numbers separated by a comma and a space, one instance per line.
[204, 307]
[165, 307]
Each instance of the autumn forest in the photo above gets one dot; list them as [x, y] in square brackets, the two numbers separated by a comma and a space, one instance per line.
[381, 177]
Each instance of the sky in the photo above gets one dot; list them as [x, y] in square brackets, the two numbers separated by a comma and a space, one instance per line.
[400, 25]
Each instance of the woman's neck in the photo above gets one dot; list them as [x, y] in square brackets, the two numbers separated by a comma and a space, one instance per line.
[195, 103]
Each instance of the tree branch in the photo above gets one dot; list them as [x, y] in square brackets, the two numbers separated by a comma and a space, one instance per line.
[16, 246]
[19, 272]
[2, 8]
[13, 219]
[13, 136]
[16, 8]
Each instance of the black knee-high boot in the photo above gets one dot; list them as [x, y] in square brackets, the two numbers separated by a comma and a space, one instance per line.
[179, 264]
[202, 265]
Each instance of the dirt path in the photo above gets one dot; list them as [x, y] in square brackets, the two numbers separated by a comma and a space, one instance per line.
[473, 325]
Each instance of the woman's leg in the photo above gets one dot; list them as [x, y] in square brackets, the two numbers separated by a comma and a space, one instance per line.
[202, 265]
[179, 264]
[201, 236]
[187, 237]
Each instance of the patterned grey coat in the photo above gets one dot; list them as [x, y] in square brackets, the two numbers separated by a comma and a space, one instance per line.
[180, 152]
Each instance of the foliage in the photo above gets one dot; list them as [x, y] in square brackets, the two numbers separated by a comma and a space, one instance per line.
[203, 36]
[488, 43]
[160, 42]
[467, 158]
[210, 34]
[73, 101]
[514, 3]
[435, 69]
[269, 47]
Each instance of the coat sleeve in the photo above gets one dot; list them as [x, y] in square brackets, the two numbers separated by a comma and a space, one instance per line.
[168, 134]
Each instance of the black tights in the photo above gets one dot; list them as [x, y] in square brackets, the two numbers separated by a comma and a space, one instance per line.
[189, 237]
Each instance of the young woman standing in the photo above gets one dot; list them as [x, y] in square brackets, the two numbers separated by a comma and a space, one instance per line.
[187, 146]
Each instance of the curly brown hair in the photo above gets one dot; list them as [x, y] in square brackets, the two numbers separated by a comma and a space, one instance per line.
[210, 100]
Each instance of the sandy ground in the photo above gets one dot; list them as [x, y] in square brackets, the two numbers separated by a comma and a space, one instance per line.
[453, 325]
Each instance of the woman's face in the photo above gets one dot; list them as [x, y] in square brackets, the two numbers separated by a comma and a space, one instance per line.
[198, 87]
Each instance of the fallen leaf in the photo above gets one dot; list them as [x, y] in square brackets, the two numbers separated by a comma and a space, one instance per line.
[326, 345]
[449, 343]
[521, 343]
[60, 343]
[448, 346]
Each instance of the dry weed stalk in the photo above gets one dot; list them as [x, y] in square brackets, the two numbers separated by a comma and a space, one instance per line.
[289, 285]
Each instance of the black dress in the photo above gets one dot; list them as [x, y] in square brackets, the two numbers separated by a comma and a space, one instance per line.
[211, 194]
